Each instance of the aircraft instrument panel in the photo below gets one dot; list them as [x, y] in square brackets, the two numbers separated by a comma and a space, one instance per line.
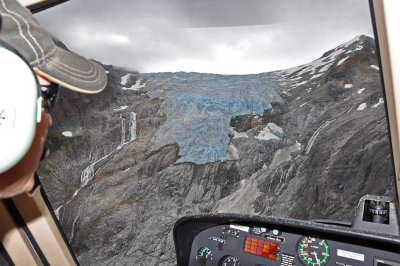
[234, 245]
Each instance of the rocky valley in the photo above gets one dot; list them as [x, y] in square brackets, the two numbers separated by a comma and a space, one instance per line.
[306, 142]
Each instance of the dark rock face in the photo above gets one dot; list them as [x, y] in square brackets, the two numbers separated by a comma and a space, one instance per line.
[321, 144]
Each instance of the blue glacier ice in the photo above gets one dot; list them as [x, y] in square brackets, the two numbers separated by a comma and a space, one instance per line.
[199, 108]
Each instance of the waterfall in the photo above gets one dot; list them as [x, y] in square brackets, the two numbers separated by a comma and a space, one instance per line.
[57, 212]
[122, 130]
[315, 135]
[87, 175]
[132, 126]
[89, 171]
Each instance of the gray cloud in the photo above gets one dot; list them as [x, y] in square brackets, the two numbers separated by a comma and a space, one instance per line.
[225, 36]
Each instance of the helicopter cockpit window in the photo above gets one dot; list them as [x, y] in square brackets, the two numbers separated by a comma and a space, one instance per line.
[273, 108]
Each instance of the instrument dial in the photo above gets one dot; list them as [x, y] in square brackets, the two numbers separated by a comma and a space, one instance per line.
[204, 255]
[229, 261]
[313, 251]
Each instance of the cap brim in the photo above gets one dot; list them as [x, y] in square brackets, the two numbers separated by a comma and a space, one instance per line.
[73, 72]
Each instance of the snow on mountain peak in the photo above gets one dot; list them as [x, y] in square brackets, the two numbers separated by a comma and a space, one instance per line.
[357, 39]
[318, 67]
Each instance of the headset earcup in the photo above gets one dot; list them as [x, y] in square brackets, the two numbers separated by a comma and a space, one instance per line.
[20, 107]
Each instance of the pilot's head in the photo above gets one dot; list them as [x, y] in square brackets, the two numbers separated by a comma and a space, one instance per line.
[32, 67]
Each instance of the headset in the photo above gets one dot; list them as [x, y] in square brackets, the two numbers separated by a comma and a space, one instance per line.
[21, 106]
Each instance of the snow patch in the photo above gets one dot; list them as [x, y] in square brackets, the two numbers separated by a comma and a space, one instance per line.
[348, 86]
[121, 108]
[298, 78]
[361, 107]
[381, 101]
[124, 79]
[266, 134]
[269, 132]
[325, 67]
[67, 134]
[375, 67]
[360, 90]
[299, 84]
[307, 69]
[302, 104]
[309, 90]
[316, 76]
[135, 86]
[341, 61]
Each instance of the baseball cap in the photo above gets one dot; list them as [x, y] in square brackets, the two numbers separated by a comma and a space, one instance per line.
[20, 29]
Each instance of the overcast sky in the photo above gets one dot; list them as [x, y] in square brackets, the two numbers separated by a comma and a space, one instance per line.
[211, 36]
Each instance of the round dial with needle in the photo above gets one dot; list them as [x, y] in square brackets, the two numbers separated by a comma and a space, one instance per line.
[313, 251]
[204, 256]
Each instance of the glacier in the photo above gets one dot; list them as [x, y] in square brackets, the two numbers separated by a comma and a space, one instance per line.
[199, 108]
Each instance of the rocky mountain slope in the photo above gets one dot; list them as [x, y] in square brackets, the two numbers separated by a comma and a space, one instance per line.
[305, 142]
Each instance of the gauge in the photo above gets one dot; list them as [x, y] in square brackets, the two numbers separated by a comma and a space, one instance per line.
[313, 251]
[229, 261]
[204, 255]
